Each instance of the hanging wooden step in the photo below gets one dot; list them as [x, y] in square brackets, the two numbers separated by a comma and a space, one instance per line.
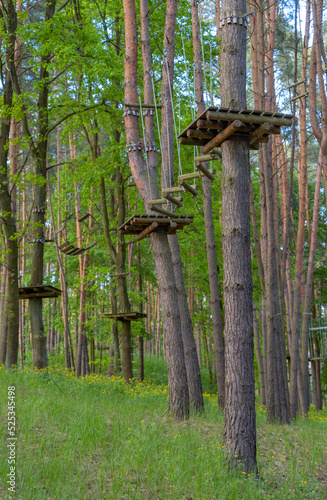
[157, 208]
[172, 190]
[210, 157]
[176, 201]
[204, 170]
[94, 229]
[188, 188]
[85, 216]
[65, 247]
[159, 201]
[194, 175]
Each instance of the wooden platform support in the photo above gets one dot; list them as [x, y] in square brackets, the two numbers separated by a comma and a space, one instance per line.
[188, 188]
[38, 291]
[137, 223]
[204, 170]
[175, 201]
[222, 136]
[173, 228]
[125, 316]
[143, 234]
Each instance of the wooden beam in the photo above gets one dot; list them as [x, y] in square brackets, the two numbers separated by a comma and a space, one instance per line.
[210, 124]
[222, 136]
[175, 201]
[200, 134]
[187, 187]
[274, 120]
[259, 132]
[204, 170]
[153, 226]
[186, 141]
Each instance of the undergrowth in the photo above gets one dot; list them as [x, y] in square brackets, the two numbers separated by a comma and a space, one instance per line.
[96, 438]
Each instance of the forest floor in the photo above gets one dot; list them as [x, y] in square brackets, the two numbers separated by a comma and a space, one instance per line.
[96, 438]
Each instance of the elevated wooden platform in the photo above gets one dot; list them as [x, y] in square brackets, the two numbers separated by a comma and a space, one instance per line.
[142, 225]
[125, 316]
[212, 127]
[38, 291]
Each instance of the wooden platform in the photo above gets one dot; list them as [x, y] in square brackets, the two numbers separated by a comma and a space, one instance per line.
[212, 127]
[138, 224]
[38, 291]
[125, 316]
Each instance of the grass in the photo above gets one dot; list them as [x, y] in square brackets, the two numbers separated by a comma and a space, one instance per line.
[96, 438]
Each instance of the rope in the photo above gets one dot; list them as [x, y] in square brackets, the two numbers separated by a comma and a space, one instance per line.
[211, 92]
[158, 125]
[187, 75]
[174, 120]
[202, 50]
[168, 142]
[145, 147]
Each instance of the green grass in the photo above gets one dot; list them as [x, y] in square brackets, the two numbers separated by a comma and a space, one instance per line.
[96, 438]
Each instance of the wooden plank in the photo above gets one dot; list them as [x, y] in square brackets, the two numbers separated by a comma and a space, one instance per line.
[186, 141]
[153, 226]
[204, 170]
[175, 201]
[222, 136]
[252, 118]
[67, 248]
[188, 187]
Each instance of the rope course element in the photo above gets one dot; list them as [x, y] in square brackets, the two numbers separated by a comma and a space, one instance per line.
[73, 244]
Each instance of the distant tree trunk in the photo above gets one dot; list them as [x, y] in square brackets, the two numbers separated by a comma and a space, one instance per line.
[240, 426]
[177, 378]
[140, 338]
[259, 358]
[217, 326]
[167, 134]
[11, 332]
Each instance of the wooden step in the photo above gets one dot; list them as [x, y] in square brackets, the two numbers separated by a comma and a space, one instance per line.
[175, 201]
[187, 186]
[204, 170]
[194, 175]
[157, 208]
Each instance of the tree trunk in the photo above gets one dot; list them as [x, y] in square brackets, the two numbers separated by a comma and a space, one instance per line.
[240, 426]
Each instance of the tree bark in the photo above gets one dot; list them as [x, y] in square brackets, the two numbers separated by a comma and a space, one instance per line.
[240, 426]
[146, 182]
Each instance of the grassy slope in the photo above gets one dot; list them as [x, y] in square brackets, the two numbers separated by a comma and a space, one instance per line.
[98, 439]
